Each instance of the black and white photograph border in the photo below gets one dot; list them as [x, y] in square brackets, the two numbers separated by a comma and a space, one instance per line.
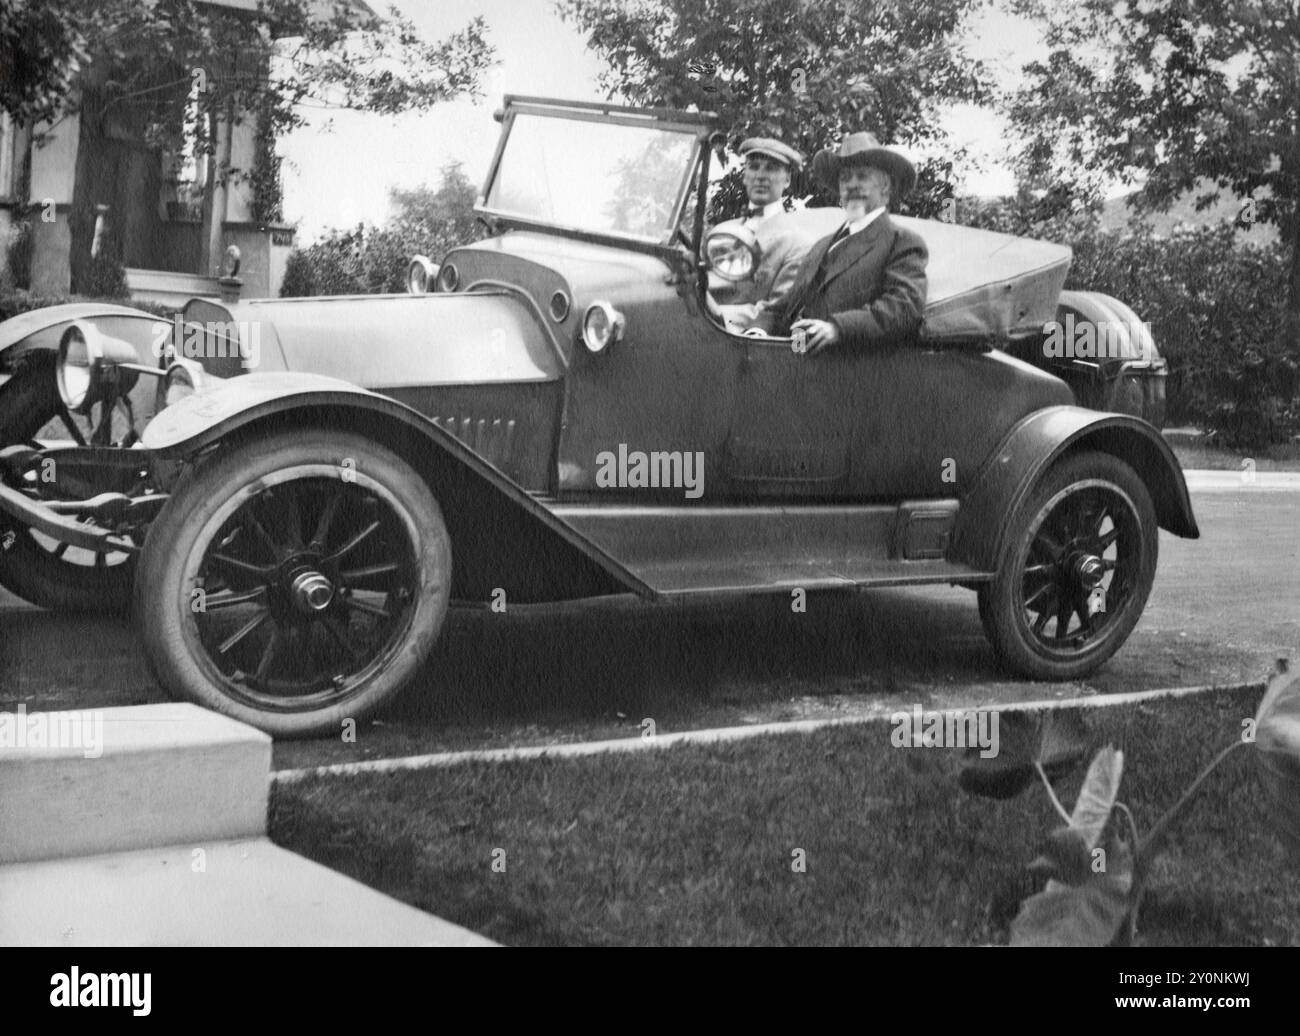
[651, 473]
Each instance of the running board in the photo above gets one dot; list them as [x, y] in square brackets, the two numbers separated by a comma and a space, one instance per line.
[775, 548]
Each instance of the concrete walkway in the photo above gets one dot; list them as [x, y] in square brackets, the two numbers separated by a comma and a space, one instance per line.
[146, 826]
[250, 893]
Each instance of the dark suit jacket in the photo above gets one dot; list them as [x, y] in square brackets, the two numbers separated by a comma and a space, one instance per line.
[872, 289]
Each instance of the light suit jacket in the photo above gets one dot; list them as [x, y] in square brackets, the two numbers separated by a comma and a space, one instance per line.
[784, 240]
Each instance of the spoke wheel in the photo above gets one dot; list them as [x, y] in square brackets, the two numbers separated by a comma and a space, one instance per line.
[1076, 570]
[279, 592]
[37, 567]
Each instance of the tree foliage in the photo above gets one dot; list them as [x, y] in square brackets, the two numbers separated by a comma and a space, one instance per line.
[1172, 92]
[39, 54]
[427, 221]
[805, 71]
[1213, 307]
[170, 72]
[158, 58]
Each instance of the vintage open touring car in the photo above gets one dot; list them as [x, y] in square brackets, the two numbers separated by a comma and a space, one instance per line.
[552, 413]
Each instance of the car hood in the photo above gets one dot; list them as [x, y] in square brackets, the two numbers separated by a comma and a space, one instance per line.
[383, 342]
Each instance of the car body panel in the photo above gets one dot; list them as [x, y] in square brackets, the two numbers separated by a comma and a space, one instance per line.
[42, 328]
[690, 551]
[39, 330]
[486, 369]
[1031, 446]
[385, 342]
[660, 551]
[766, 421]
[243, 405]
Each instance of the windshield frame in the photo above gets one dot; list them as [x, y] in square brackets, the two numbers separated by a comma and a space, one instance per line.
[697, 124]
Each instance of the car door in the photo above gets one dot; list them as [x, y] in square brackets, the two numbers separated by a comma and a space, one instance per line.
[911, 422]
[791, 430]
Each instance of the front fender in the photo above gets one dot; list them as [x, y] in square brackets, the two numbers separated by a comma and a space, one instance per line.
[1037, 442]
[42, 328]
[502, 537]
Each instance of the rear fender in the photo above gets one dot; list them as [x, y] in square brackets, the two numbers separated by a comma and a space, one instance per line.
[1039, 441]
[502, 538]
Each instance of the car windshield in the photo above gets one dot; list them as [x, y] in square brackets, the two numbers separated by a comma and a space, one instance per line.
[605, 177]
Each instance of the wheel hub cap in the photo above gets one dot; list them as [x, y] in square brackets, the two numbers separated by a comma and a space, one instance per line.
[311, 592]
[1089, 571]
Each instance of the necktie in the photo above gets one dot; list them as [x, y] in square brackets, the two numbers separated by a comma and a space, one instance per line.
[841, 236]
[815, 284]
[753, 213]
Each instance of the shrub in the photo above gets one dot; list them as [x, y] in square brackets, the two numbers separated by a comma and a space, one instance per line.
[20, 254]
[1216, 310]
[429, 221]
[106, 279]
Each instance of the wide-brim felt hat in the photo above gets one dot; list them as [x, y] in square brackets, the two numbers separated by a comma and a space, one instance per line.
[863, 149]
[774, 149]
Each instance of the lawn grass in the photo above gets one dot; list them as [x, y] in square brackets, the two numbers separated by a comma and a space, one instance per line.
[695, 844]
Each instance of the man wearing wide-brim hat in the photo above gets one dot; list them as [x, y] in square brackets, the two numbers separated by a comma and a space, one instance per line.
[864, 286]
[783, 242]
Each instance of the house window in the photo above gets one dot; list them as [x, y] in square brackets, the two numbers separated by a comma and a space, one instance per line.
[188, 167]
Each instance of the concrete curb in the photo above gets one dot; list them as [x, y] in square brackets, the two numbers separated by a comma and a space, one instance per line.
[146, 826]
[719, 734]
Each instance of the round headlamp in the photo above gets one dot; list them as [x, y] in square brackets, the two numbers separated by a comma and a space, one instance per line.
[87, 365]
[183, 378]
[420, 275]
[74, 369]
[732, 252]
[602, 326]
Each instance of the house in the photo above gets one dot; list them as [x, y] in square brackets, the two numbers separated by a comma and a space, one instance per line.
[97, 184]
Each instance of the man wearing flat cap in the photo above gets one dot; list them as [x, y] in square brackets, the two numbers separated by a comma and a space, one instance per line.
[769, 164]
[862, 287]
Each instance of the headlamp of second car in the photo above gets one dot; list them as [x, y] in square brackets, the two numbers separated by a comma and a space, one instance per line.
[183, 378]
[602, 326]
[91, 365]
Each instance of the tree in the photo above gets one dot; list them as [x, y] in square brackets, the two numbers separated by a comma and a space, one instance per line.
[171, 72]
[427, 221]
[350, 59]
[441, 218]
[1177, 92]
[805, 71]
[38, 57]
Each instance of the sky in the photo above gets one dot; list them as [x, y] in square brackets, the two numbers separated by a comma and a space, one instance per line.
[339, 175]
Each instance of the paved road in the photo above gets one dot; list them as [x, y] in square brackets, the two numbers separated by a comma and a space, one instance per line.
[1222, 609]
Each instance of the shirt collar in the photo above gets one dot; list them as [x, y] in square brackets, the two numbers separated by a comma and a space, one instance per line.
[769, 210]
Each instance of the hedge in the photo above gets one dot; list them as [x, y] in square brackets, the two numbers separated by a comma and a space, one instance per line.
[11, 305]
[1216, 306]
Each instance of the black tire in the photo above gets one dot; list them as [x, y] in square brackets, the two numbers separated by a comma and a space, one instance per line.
[1089, 517]
[37, 569]
[239, 535]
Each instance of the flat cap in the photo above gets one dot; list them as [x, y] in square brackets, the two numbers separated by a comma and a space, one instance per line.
[783, 153]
